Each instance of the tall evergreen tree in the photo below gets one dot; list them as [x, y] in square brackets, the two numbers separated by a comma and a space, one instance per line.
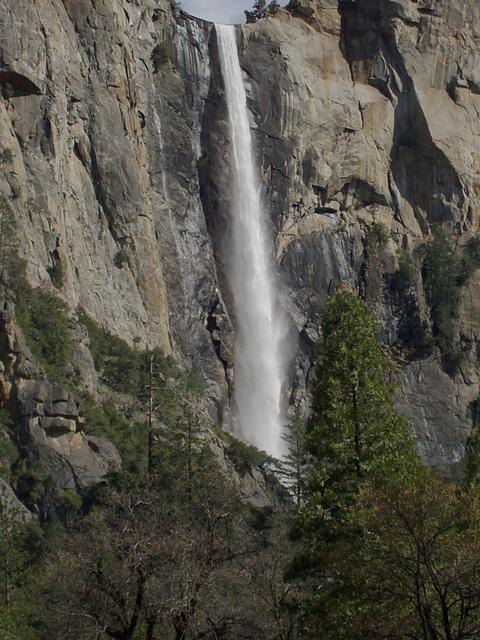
[355, 438]
[355, 433]
[294, 461]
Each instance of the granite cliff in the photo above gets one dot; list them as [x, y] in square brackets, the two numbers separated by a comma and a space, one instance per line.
[113, 144]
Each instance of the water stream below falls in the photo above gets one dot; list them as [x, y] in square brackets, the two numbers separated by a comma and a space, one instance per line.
[260, 323]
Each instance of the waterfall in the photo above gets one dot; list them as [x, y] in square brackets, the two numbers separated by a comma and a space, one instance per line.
[260, 323]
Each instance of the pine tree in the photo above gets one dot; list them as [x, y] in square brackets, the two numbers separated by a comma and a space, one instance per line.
[355, 432]
[355, 439]
[294, 462]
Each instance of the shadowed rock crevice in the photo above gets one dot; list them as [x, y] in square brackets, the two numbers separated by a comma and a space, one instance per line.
[423, 175]
[214, 167]
[14, 85]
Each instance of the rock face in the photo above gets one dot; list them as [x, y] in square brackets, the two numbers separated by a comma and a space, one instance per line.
[14, 509]
[367, 113]
[113, 142]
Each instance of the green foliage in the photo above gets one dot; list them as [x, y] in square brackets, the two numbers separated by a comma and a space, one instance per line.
[161, 54]
[442, 276]
[130, 438]
[120, 259]
[122, 368]
[69, 499]
[6, 156]
[28, 477]
[68, 504]
[33, 209]
[405, 276]
[117, 363]
[377, 238]
[57, 274]
[242, 454]
[31, 481]
[355, 432]
[414, 333]
[355, 435]
[261, 10]
[471, 258]
[7, 90]
[273, 7]
[472, 453]
[12, 557]
[23, 548]
[414, 570]
[160, 390]
[15, 187]
[9, 453]
[9, 262]
[44, 319]
[294, 462]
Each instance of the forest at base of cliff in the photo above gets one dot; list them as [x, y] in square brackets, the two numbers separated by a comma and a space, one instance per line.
[358, 539]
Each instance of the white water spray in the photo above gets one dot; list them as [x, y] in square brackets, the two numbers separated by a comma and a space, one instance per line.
[261, 325]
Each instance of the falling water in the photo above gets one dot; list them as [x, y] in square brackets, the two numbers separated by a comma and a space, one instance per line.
[260, 322]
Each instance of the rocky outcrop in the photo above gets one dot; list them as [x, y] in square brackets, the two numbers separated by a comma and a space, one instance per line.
[10, 505]
[49, 422]
[113, 146]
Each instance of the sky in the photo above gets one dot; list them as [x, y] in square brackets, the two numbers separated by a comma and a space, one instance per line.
[224, 11]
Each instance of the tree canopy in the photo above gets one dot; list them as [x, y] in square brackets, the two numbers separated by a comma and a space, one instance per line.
[261, 10]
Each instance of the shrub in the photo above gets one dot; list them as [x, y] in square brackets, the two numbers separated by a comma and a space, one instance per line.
[9, 262]
[471, 258]
[131, 439]
[442, 277]
[7, 90]
[31, 481]
[117, 363]
[404, 277]
[45, 322]
[6, 156]
[57, 274]
[413, 333]
[120, 258]
[9, 453]
[242, 454]
[377, 238]
[125, 369]
[472, 453]
[273, 8]
[161, 54]
[16, 188]
[261, 10]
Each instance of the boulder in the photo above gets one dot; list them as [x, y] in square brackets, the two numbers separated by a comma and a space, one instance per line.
[12, 504]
